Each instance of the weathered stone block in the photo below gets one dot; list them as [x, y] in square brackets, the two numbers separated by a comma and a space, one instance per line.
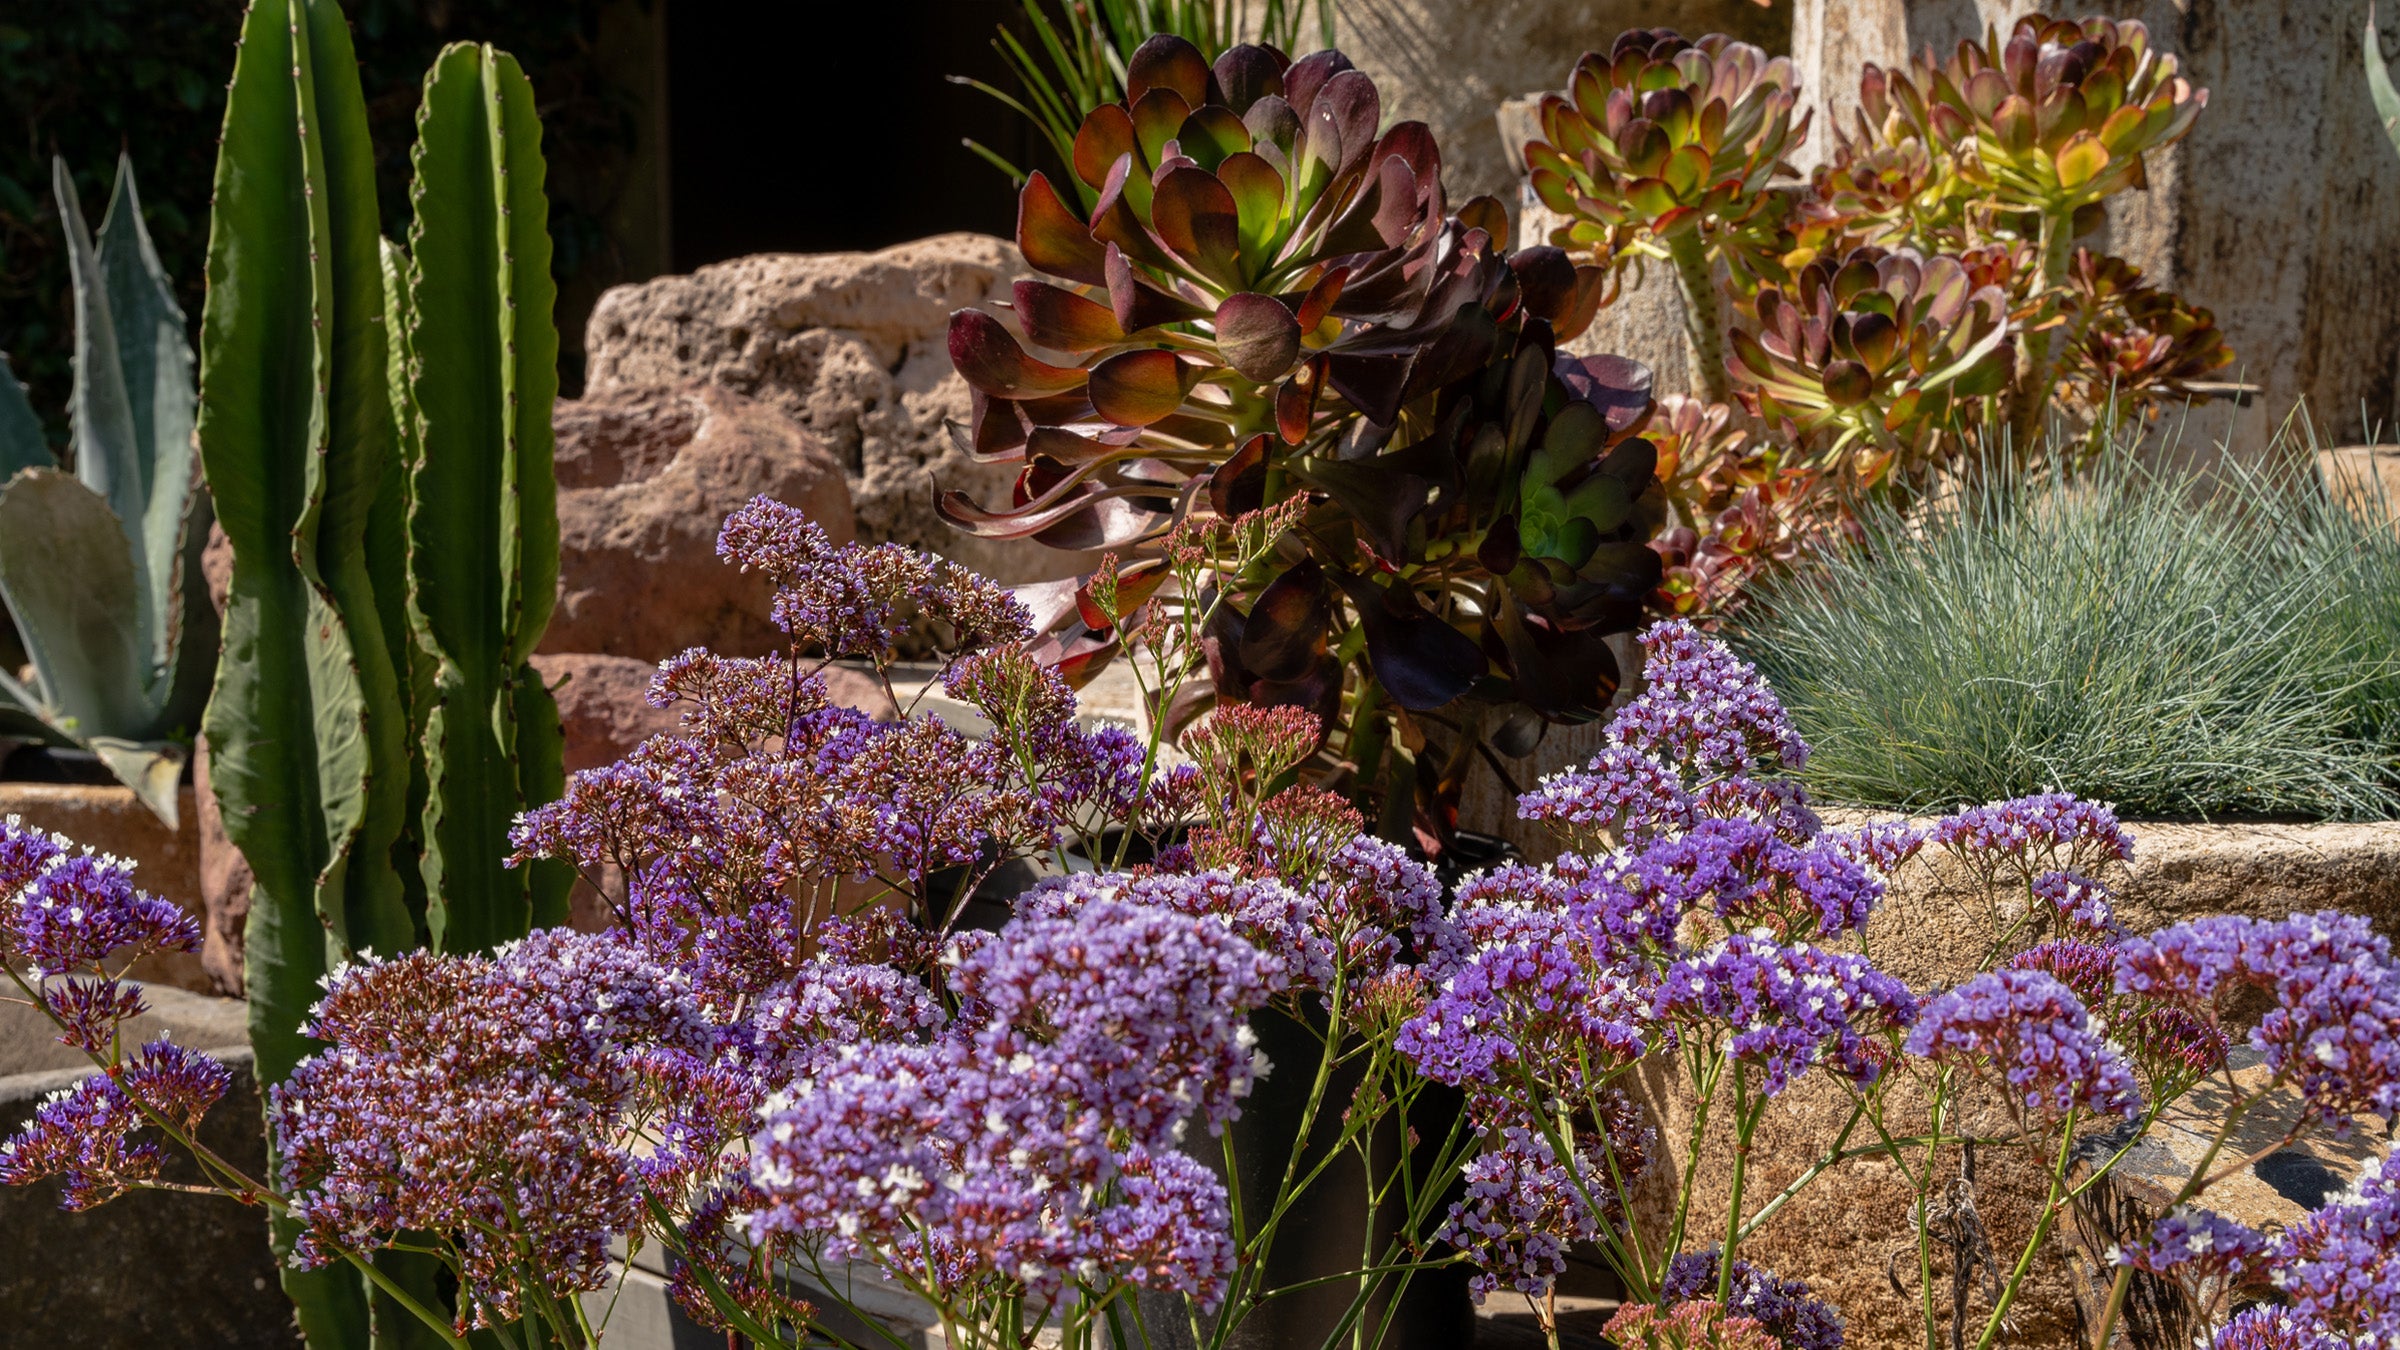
[854, 347]
[646, 477]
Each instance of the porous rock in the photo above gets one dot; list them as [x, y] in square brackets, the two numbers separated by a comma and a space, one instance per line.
[646, 477]
[854, 348]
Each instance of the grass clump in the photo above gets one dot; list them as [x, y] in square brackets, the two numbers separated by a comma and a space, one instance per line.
[2177, 645]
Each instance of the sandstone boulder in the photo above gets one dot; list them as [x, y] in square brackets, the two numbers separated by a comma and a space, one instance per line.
[646, 476]
[853, 347]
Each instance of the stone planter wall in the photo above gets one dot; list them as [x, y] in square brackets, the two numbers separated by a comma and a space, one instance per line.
[1844, 1231]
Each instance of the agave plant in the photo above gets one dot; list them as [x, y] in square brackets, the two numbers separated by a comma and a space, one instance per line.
[1872, 364]
[1664, 148]
[1263, 271]
[99, 568]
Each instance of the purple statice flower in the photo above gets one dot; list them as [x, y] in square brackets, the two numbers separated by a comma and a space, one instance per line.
[1786, 1007]
[1621, 791]
[2048, 831]
[2197, 1245]
[2335, 1026]
[1282, 924]
[1749, 876]
[2340, 1267]
[2171, 1046]
[1524, 1209]
[1704, 709]
[1780, 804]
[2036, 1034]
[2268, 1327]
[493, 1101]
[1786, 1308]
[88, 1012]
[1374, 900]
[1031, 1140]
[1139, 1004]
[85, 1135]
[2078, 901]
[1881, 846]
[830, 1007]
[854, 600]
[72, 909]
[1540, 994]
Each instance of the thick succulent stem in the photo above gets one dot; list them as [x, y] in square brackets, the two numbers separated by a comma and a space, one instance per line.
[307, 759]
[1703, 312]
[2037, 370]
[483, 520]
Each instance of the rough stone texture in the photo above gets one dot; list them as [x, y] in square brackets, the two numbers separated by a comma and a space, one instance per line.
[2366, 478]
[646, 477]
[225, 882]
[2277, 212]
[225, 877]
[1449, 64]
[108, 819]
[1840, 1232]
[853, 347]
[151, 1269]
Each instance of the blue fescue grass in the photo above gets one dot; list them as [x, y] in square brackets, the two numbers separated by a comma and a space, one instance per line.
[2176, 644]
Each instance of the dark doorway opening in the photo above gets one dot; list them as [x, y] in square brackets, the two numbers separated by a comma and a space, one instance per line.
[817, 125]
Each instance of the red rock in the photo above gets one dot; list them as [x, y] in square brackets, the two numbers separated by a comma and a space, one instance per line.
[646, 477]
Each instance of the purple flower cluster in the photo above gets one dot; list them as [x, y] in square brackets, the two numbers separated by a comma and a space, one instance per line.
[1523, 1210]
[1790, 1313]
[2198, 1245]
[1032, 1139]
[2036, 1034]
[1622, 790]
[64, 910]
[2340, 1267]
[85, 1134]
[1704, 708]
[853, 601]
[1787, 1007]
[2080, 902]
[2269, 1327]
[1749, 876]
[522, 1105]
[2335, 1026]
[2046, 832]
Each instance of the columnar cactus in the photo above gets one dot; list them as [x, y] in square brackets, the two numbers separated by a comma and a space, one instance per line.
[376, 430]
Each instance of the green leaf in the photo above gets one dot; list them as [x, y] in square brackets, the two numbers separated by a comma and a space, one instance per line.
[153, 769]
[154, 356]
[22, 445]
[2379, 83]
[108, 453]
[68, 578]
